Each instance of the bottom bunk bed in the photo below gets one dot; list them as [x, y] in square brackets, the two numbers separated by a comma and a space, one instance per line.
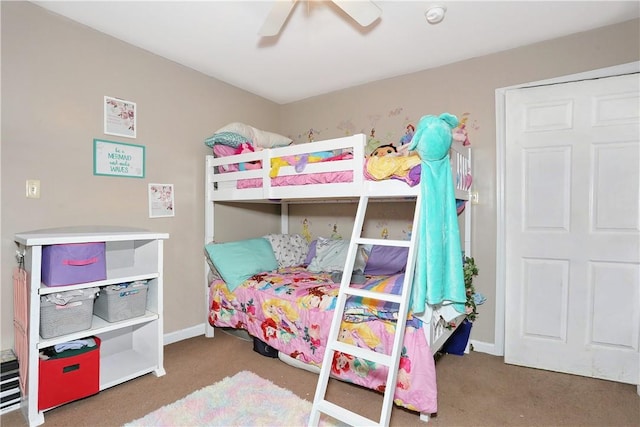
[289, 311]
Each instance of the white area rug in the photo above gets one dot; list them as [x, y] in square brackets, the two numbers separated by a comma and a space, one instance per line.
[242, 400]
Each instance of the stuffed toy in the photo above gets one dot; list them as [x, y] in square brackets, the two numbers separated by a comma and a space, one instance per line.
[439, 276]
[384, 150]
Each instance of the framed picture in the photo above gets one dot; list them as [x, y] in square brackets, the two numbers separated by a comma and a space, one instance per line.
[161, 200]
[118, 159]
[119, 117]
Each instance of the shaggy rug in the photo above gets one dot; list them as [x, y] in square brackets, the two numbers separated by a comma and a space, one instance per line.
[242, 400]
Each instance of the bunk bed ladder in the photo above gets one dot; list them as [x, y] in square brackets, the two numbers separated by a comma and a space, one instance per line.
[320, 404]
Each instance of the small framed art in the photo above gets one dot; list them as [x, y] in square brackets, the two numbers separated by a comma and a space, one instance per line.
[119, 117]
[161, 200]
[118, 159]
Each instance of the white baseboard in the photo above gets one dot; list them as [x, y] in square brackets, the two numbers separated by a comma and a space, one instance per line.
[486, 347]
[184, 334]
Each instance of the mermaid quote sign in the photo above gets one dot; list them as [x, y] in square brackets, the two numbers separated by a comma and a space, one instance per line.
[118, 159]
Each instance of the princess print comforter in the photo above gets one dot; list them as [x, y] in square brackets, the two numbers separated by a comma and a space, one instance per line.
[291, 310]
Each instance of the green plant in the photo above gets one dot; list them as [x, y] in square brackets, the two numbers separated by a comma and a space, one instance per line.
[474, 298]
[470, 271]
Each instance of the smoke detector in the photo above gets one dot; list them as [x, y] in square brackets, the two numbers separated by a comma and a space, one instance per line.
[435, 14]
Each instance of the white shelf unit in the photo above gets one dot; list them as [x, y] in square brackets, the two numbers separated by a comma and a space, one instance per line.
[129, 348]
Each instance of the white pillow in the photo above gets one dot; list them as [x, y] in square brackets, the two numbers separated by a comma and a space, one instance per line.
[239, 128]
[290, 249]
[266, 139]
[259, 138]
[332, 254]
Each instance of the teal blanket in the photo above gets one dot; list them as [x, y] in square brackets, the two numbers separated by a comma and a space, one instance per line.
[438, 277]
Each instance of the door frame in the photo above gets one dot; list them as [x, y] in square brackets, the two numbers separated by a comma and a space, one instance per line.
[501, 267]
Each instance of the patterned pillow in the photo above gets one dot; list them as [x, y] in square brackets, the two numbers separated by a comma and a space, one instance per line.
[230, 139]
[331, 255]
[290, 249]
[258, 137]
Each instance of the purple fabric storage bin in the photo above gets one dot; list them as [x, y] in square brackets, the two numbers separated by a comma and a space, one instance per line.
[73, 263]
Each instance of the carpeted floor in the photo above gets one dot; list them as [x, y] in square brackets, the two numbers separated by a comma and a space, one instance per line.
[473, 390]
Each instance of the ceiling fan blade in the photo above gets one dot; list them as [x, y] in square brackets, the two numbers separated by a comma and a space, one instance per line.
[277, 17]
[363, 12]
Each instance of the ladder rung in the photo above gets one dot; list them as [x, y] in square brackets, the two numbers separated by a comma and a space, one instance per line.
[362, 353]
[383, 242]
[343, 414]
[379, 296]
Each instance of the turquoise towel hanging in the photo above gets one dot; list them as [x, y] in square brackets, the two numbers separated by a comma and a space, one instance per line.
[438, 277]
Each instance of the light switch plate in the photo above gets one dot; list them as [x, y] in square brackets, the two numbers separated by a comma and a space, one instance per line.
[33, 189]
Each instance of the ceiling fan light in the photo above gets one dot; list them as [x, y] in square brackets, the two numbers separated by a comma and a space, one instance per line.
[435, 14]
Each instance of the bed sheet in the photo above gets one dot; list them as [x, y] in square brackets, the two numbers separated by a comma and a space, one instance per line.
[300, 179]
[291, 310]
[403, 168]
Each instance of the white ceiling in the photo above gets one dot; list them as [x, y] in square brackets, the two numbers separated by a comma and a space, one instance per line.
[321, 49]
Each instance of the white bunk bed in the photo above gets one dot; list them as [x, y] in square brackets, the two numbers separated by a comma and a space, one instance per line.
[261, 188]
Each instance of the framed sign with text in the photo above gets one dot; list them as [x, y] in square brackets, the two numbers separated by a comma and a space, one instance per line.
[118, 159]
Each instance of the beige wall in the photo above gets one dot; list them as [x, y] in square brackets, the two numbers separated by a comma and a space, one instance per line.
[55, 73]
[465, 87]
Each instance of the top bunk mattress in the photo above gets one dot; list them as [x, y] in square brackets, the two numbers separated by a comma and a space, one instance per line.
[335, 168]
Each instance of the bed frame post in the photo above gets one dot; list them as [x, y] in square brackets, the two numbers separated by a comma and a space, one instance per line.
[468, 213]
[208, 236]
[284, 218]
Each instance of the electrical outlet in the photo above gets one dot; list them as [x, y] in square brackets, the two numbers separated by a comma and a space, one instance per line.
[475, 199]
[33, 189]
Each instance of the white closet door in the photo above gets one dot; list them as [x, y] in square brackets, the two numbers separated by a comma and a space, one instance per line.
[573, 228]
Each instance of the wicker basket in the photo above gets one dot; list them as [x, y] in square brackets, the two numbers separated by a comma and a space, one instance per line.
[66, 312]
[121, 302]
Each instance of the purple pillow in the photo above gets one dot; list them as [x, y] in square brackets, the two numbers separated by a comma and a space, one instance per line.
[312, 252]
[386, 260]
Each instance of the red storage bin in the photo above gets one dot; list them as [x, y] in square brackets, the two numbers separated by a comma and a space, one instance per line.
[67, 379]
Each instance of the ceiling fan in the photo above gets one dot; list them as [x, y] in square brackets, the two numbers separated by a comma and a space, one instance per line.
[362, 11]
